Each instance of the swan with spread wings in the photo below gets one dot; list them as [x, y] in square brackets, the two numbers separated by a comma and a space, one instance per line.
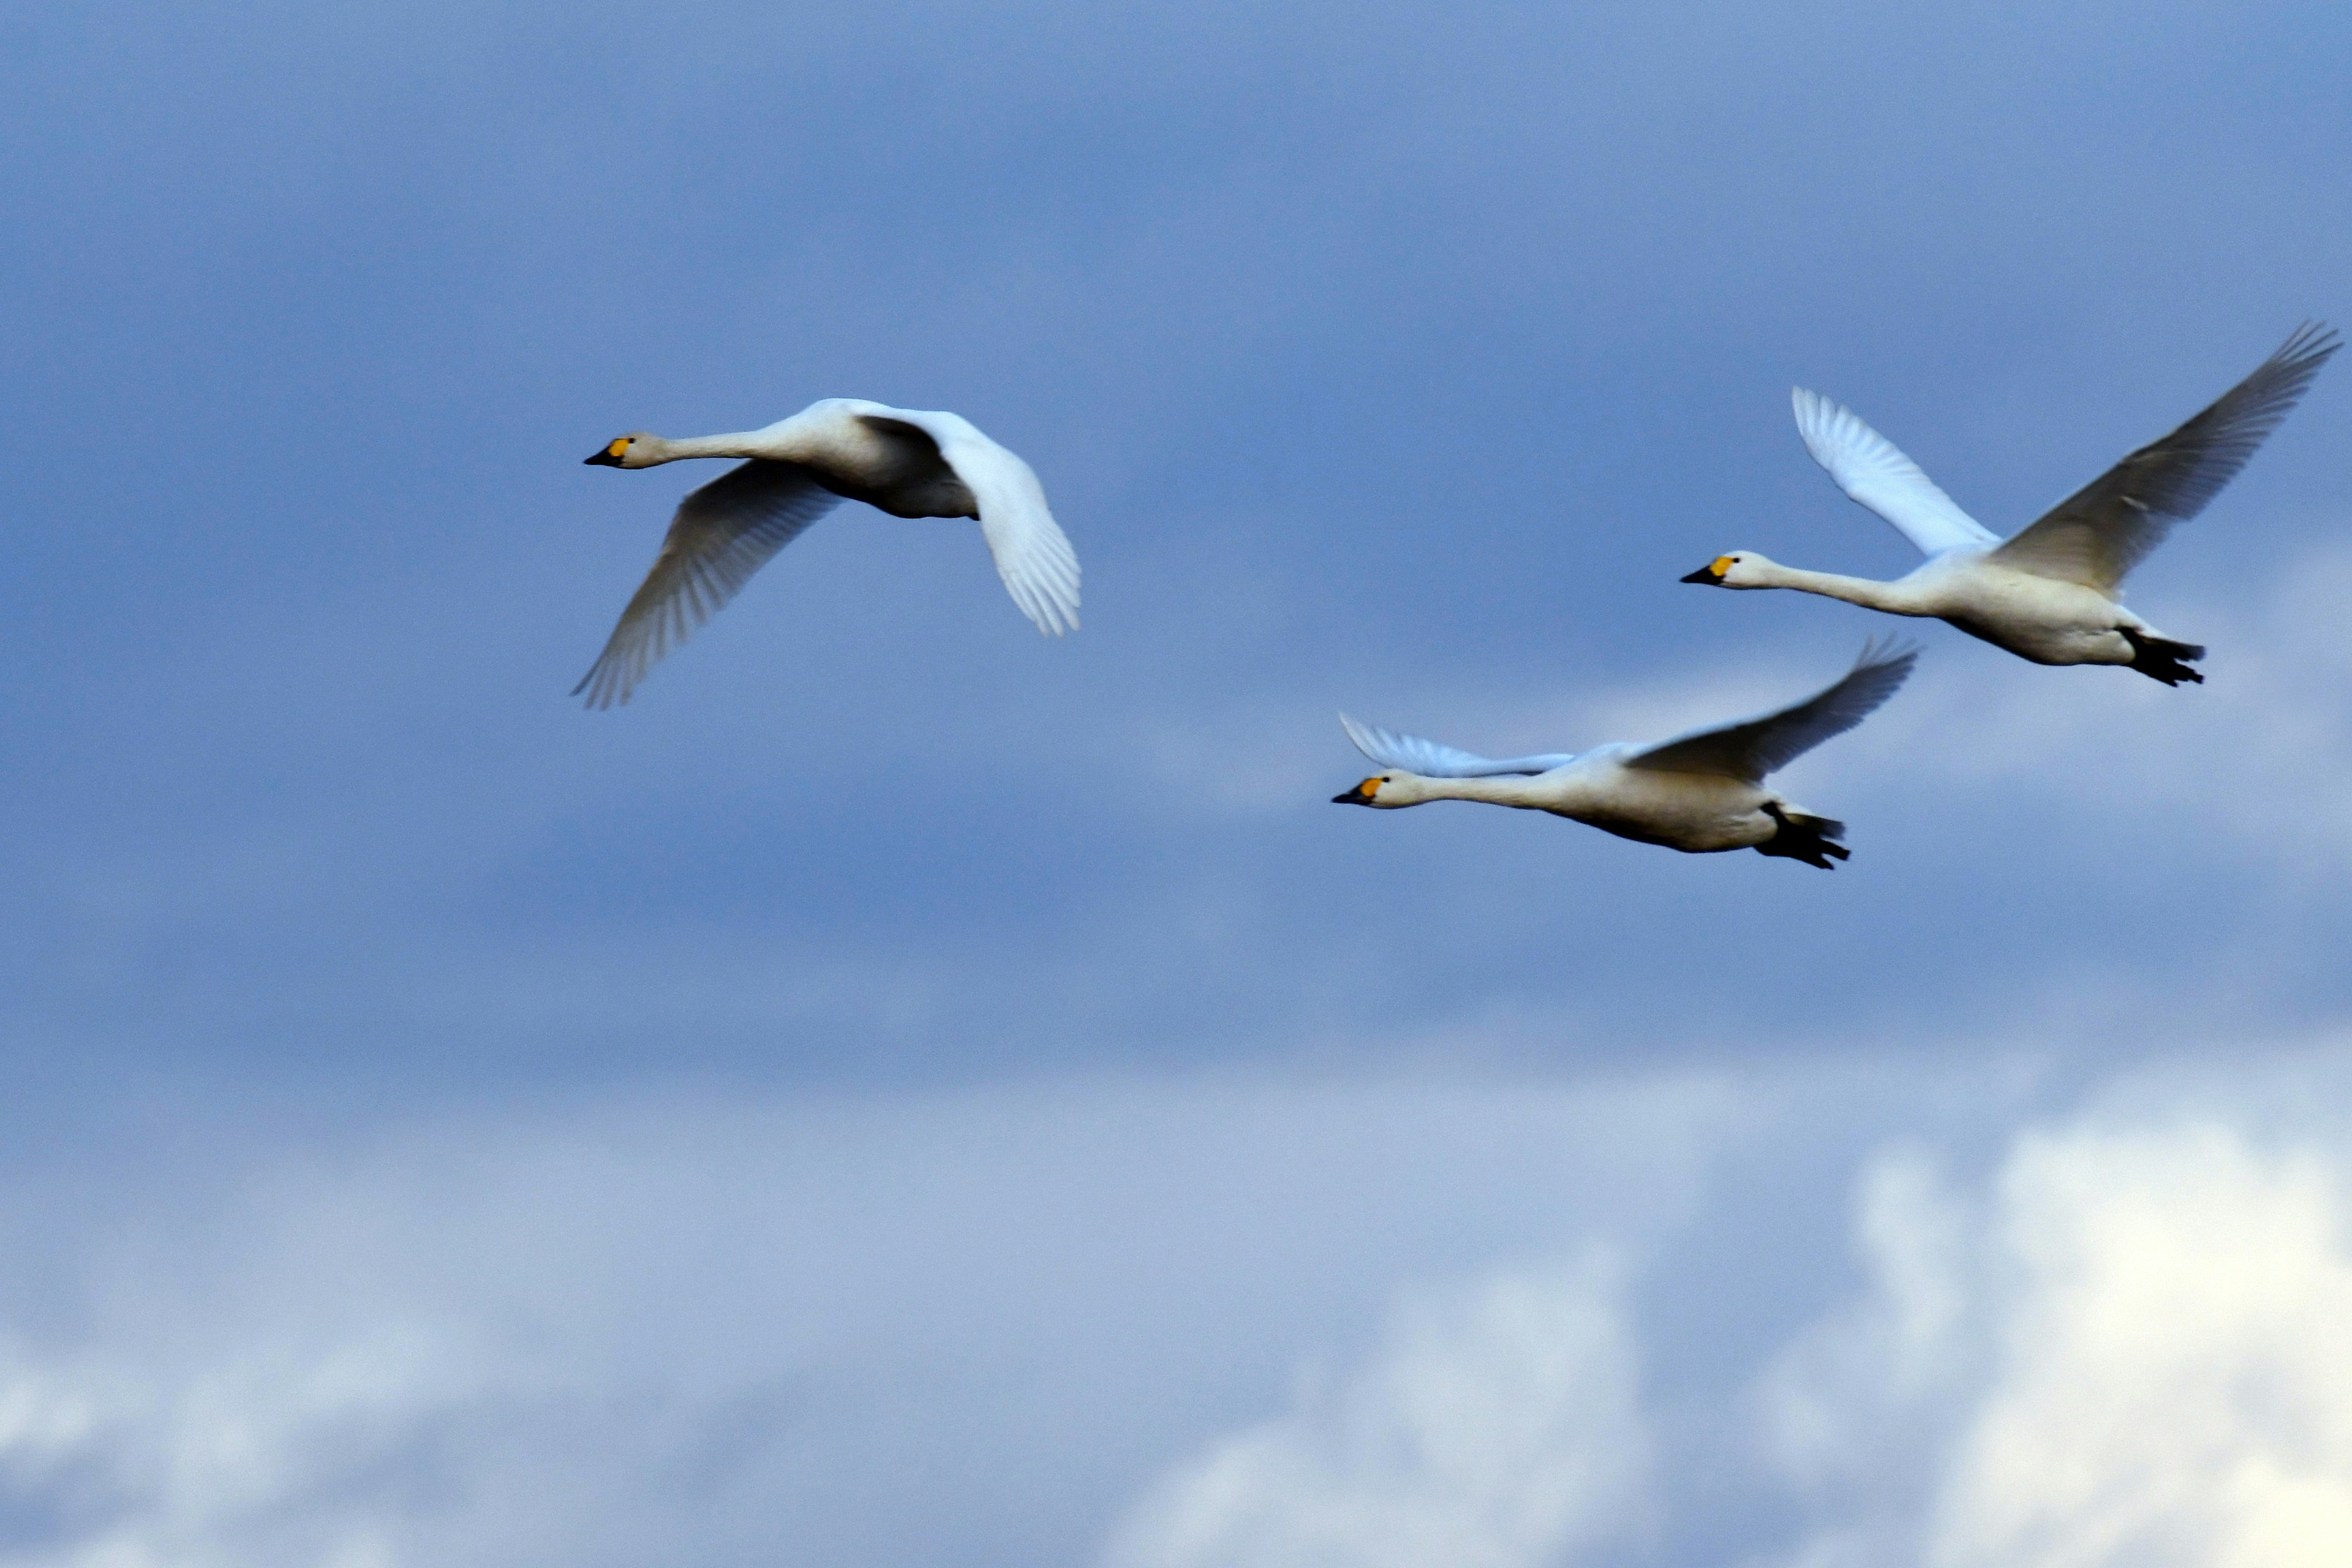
[2053, 592]
[907, 462]
[1701, 793]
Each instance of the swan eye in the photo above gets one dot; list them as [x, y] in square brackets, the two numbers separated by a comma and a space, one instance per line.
[620, 446]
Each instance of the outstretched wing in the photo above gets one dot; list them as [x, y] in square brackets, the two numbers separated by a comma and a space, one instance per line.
[2100, 533]
[1430, 760]
[1033, 555]
[1751, 750]
[723, 531]
[1873, 470]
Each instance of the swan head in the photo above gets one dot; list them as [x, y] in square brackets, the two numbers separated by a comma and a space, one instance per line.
[638, 450]
[1740, 569]
[1386, 791]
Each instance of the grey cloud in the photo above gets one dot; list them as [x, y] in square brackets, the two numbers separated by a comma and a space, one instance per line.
[1499, 1427]
[2128, 1354]
[961, 1328]
[1209, 1321]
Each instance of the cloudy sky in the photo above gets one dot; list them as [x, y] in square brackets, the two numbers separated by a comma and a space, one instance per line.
[907, 1090]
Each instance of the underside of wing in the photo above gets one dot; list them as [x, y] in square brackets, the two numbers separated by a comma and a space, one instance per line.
[1430, 760]
[1755, 749]
[2095, 536]
[1873, 472]
[1033, 555]
[723, 531]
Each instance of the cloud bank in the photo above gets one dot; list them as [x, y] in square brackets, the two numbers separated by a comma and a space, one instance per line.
[1176, 1325]
[1499, 1427]
[2136, 1347]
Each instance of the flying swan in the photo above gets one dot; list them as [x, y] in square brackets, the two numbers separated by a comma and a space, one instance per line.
[1701, 793]
[2051, 593]
[909, 462]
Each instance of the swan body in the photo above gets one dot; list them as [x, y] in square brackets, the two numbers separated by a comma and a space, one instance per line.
[2040, 618]
[2053, 592]
[1702, 792]
[906, 462]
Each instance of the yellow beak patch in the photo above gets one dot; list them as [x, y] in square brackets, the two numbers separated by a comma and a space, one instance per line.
[620, 446]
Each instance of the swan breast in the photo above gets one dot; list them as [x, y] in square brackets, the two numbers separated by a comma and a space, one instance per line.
[1696, 812]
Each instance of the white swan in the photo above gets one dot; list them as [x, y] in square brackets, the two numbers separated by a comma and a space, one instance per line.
[1701, 793]
[909, 462]
[2051, 593]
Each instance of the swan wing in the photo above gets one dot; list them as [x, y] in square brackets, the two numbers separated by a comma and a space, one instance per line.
[1757, 747]
[1432, 761]
[1873, 470]
[1033, 555]
[723, 531]
[2095, 536]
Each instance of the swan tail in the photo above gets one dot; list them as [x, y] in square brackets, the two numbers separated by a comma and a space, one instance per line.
[2161, 658]
[1799, 836]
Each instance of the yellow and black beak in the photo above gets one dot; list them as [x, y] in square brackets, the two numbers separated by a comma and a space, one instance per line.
[1360, 795]
[609, 455]
[1711, 573]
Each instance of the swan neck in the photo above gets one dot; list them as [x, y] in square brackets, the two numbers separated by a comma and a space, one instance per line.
[1505, 789]
[741, 444]
[1861, 591]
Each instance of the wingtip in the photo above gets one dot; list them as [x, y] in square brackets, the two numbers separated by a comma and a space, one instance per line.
[1880, 652]
[1362, 736]
[1051, 620]
[1817, 415]
[604, 689]
[2314, 340]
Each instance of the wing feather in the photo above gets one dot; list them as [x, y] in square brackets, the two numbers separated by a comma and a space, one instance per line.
[2095, 536]
[1434, 761]
[1752, 750]
[723, 531]
[1873, 470]
[1033, 555]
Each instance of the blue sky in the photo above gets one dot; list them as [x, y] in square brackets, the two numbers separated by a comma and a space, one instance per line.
[1388, 358]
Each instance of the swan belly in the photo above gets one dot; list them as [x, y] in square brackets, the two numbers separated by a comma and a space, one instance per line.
[2038, 618]
[1698, 812]
[885, 463]
[929, 495]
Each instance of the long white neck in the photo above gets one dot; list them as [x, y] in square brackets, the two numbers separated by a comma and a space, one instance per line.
[741, 444]
[1506, 789]
[1897, 598]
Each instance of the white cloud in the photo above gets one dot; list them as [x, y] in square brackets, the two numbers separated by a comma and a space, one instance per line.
[2175, 1374]
[1840, 1401]
[1499, 1427]
[954, 1329]
[1001, 1326]
[2133, 1351]
[228, 1461]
